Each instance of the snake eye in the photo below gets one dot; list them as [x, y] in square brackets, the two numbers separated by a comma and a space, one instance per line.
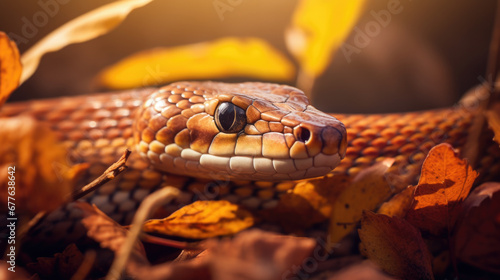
[230, 118]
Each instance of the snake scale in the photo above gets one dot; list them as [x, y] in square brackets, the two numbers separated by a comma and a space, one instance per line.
[246, 143]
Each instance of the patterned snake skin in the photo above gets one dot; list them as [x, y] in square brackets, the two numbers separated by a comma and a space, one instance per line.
[177, 140]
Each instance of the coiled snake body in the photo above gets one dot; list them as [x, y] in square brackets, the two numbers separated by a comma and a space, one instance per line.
[245, 143]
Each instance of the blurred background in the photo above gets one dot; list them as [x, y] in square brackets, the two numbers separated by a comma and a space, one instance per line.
[428, 56]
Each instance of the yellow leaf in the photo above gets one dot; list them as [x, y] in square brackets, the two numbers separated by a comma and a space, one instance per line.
[226, 57]
[318, 28]
[309, 202]
[399, 204]
[367, 191]
[10, 67]
[203, 219]
[83, 28]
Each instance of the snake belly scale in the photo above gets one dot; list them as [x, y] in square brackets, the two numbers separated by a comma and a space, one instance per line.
[245, 143]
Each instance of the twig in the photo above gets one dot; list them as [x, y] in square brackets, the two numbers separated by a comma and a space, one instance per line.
[110, 173]
[84, 269]
[154, 200]
[170, 243]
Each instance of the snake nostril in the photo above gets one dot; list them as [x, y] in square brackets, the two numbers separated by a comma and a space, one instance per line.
[303, 134]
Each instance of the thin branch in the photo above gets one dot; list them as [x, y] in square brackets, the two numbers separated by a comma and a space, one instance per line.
[170, 243]
[110, 173]
[148, 206]
[84, 269]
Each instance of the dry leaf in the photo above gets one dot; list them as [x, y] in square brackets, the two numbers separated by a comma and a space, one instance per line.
[104, 230]
[259, 255]
[61, 266]
[493, 117]
[31, 153]
[395, 245]
[399, 204]
[83, 28]
[203, 219]
[222, 58]
[309, 202]
[317, 29]
[477, 238]
[368, 190]
[445, 181]
[362, 271]
[10, 67]
[252, 254]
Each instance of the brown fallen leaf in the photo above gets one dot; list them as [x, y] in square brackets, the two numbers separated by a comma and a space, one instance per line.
[395, 245]
[104, 230]
[362, 271]
[61, 266]
[368, 190]
[445, 181]
[30, 152]
[221, 58]
[477, 237]
[203, 219]
[83, 28]
[256, 254]
[10, 67]
[252, 254]
[399, 204]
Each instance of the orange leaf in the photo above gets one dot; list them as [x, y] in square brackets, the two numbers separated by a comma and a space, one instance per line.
[477, 238]
[203, 219]
[395, 245]
[444, 183]
[39, 164]
[368, 190]
[10, 67]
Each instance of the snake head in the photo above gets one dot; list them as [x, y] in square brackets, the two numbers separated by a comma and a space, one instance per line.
[248, 131]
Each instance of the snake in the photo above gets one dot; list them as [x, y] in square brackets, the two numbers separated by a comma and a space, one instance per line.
[247, 143]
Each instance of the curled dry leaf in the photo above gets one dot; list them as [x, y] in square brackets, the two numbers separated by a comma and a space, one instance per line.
[395, 245]
[222, 58]
[317, 29]
[368, 190]
[104, 230]
[307, 203]
[83, 28]
[399, 204]
[477, 237]
[203, 219]
[61, 266]
[445, 181]
[10, 67]
[36, 157]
